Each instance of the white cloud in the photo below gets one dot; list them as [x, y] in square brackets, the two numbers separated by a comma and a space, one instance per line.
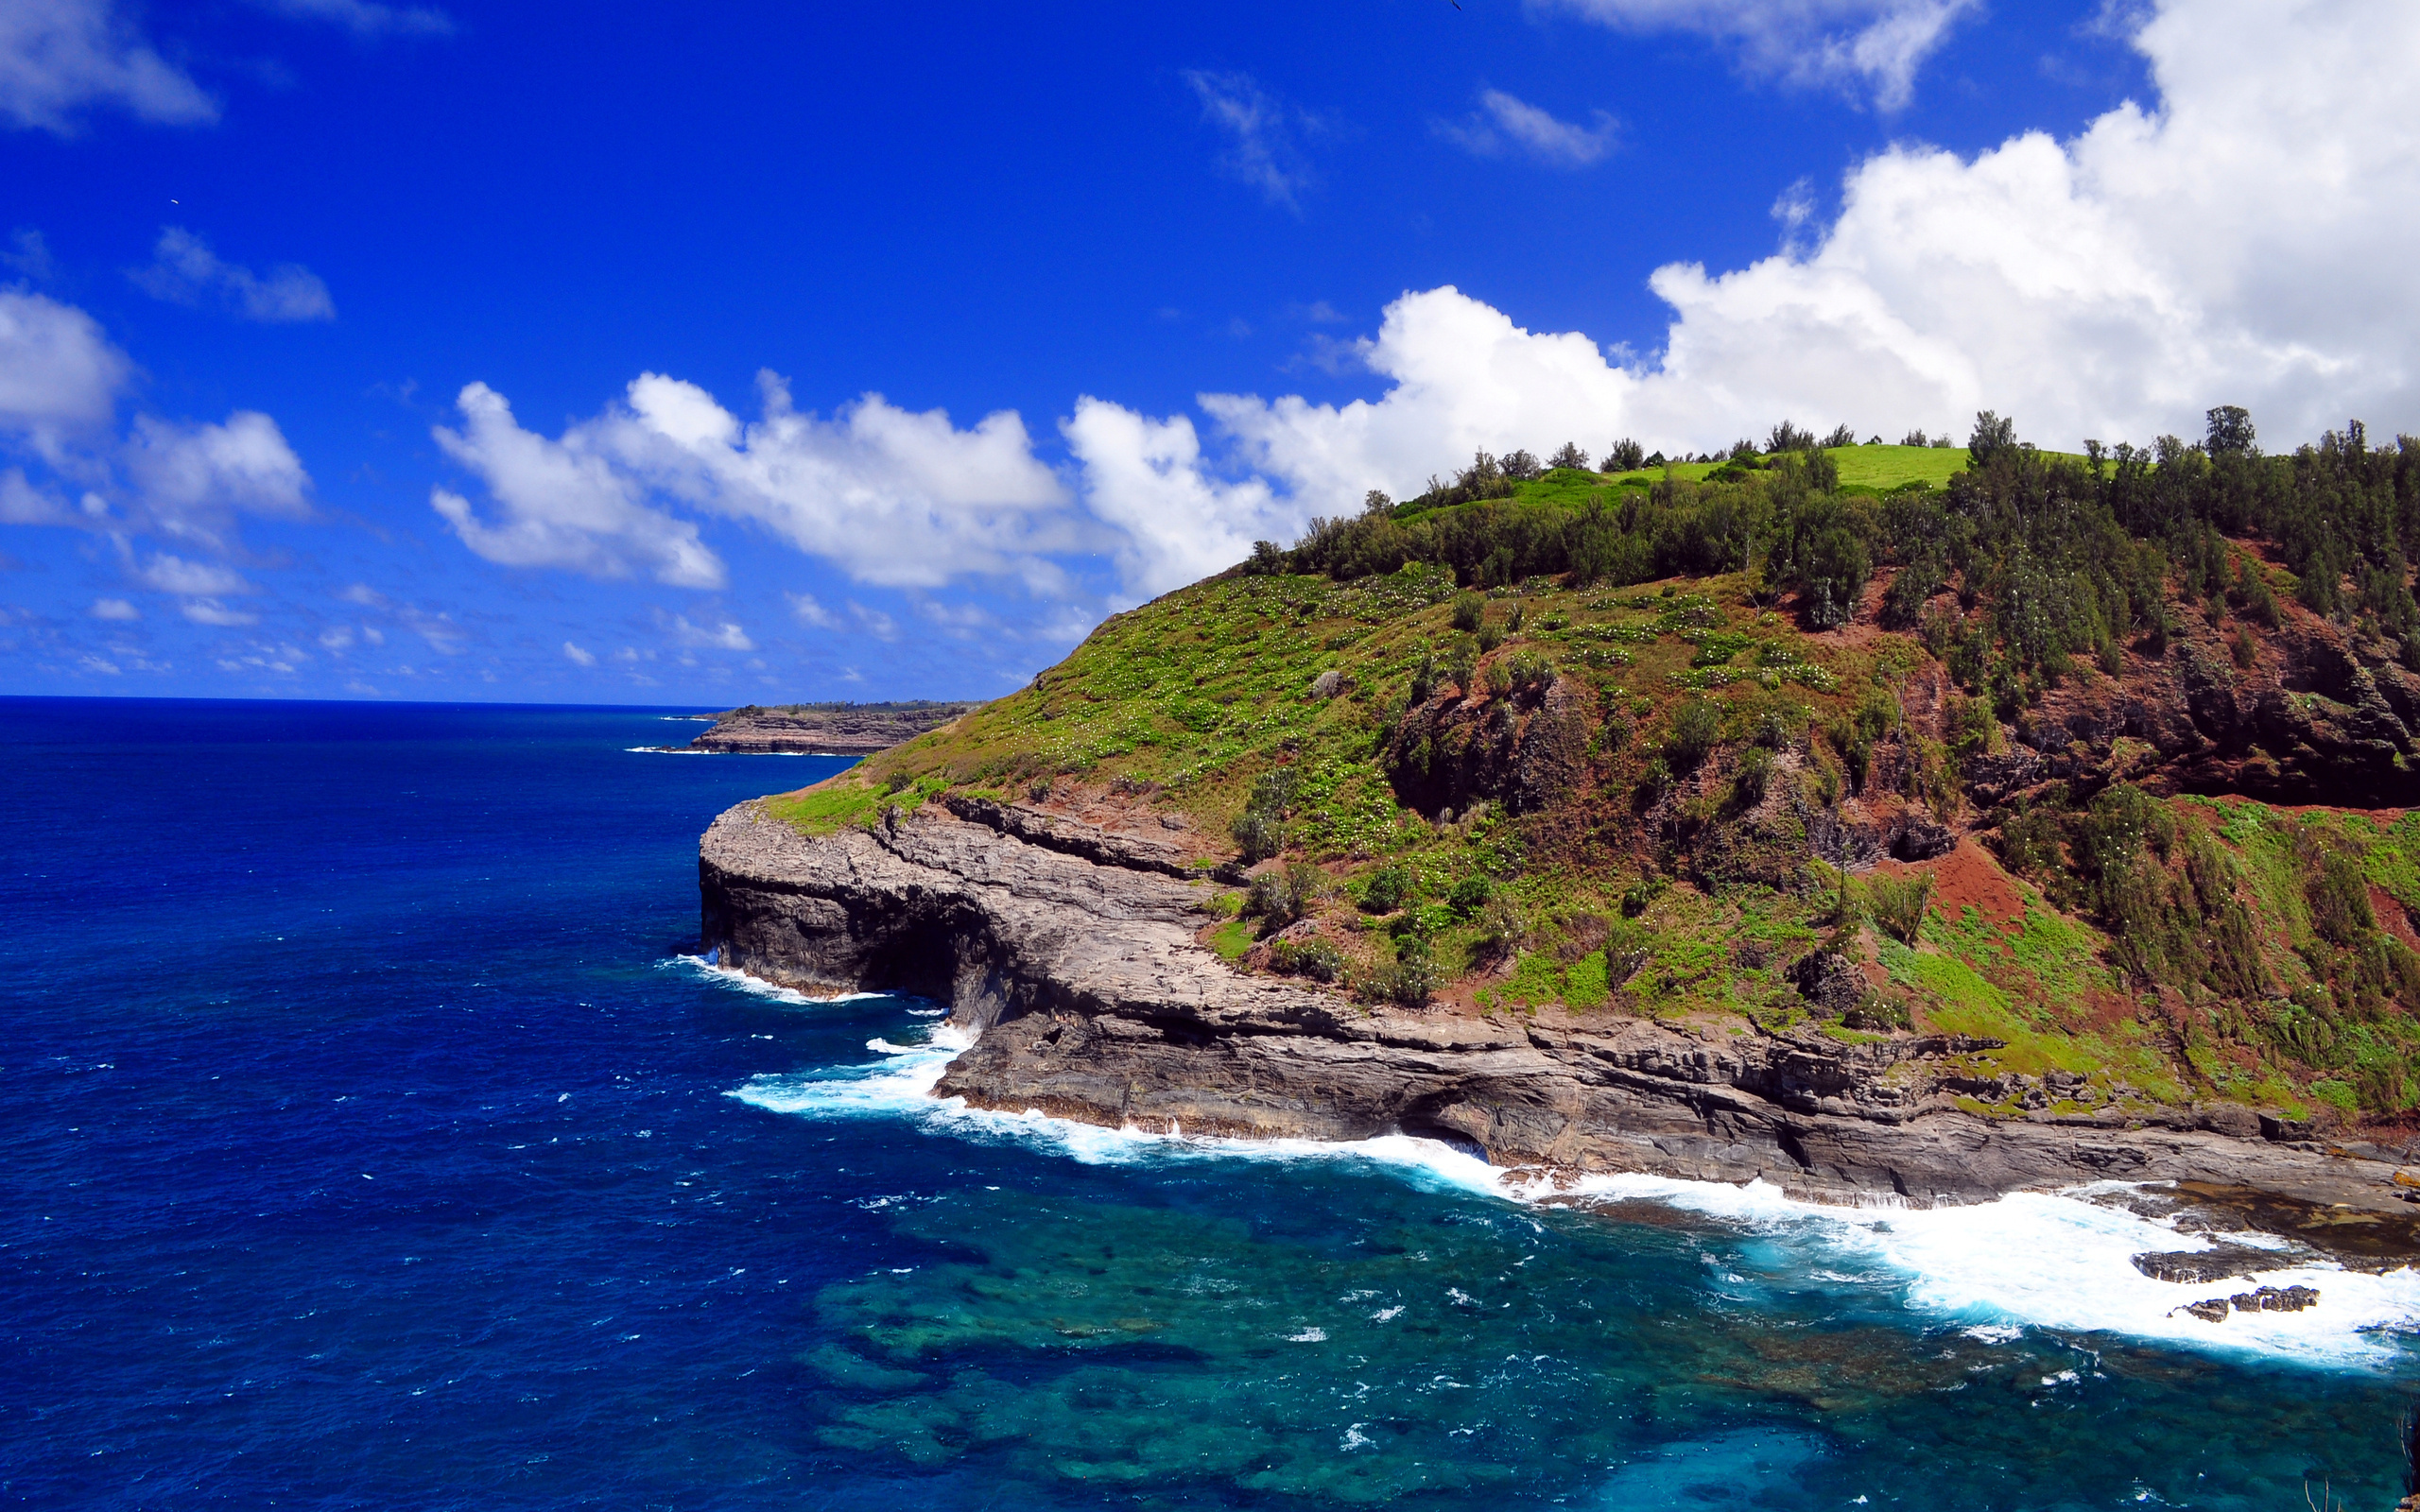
[562, 505]
[114, 609]
[726, 636]
[812, 613]
[364, 18]
[58, 374]
[174, 574]
[878, 625]
[183, 270]
[1264, 134]
[2115, 286]
[98, 664]
[23, 504]
[60, 57]
[191, 479]
[1504, 123]
[1874, 45]
[336, 638]
[1145, 477]
[211, 611]
[579, 657]
[893, 497]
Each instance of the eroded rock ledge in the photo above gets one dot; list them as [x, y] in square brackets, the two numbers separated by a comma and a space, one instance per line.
[1093, 1001]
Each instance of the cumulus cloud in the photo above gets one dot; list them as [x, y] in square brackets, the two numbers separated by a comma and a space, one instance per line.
[175, 574]
[59, 57]
[726, 636]
[59, 374]
[562, 503]
[183, 270]
[211, 611]
[192, 479]
[1175, 521]
[1264, 134]
[2113, 286]
[812, 613]
[579, 657]
[1871, 47]
[1504, 125]
[894, 497]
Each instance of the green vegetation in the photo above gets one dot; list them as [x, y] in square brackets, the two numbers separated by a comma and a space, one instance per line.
[1552, 740]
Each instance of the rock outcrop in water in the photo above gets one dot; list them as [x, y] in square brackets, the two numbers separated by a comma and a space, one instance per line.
[824, 730]
[1071, 951]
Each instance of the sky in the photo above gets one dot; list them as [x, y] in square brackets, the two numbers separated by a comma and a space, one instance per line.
[708, 354]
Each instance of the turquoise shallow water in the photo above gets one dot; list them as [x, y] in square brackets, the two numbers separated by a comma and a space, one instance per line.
[370, 1140]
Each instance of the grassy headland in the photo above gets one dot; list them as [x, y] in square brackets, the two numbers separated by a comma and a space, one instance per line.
[1818, 736]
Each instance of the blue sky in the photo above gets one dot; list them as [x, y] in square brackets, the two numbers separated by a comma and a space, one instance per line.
[363, 349]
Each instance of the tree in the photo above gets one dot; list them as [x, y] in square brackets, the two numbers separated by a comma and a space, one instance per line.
[1626, 455]
[2230, 431]
[1571, 457]
[1992, 435]
[1788, 438]
[1915, 438]
[1521, 465]
[1841, 436]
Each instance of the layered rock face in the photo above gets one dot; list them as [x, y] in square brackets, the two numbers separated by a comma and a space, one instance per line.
[1070, 951]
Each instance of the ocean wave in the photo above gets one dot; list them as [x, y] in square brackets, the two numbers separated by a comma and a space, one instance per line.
[2059, 1261]
[738, 981]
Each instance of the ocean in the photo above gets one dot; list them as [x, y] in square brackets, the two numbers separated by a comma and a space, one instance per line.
[372, 1137]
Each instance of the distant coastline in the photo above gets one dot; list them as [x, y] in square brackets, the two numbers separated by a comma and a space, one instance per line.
[823, 729]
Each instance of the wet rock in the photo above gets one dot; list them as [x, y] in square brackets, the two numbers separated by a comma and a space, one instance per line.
[2195, 1267]
[2273, 1299]
[2209, 1309]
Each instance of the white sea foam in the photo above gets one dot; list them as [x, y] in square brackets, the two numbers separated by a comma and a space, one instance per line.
[2049, 1260]
[739, 981]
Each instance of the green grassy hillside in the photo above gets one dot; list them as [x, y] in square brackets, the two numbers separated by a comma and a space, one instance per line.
[1578, 792]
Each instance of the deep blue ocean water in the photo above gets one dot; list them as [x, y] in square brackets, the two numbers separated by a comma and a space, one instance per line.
[368, 1140]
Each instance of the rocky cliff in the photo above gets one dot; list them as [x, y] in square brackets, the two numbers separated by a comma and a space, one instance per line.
[1071, 951]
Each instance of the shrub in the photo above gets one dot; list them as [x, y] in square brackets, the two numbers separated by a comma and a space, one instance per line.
[1470, 895]
[1915, 438]
[1841, 436]
[1498, 679]
[1754, 773]
[1469, 610]
[1625, 455]
[1259, 830]
[1502, 927]
[1521, 465]
[1314, 959]
[1425, 675]
[1696, 724]
[1460, 664]
[1257, 835]
[1491, 635]
[1788, 438]
[2243, 647]
[1531, 672]
[1572, 455]
[1412, 979]
[1384, 890]
[1897, 905]
[1281, 895]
